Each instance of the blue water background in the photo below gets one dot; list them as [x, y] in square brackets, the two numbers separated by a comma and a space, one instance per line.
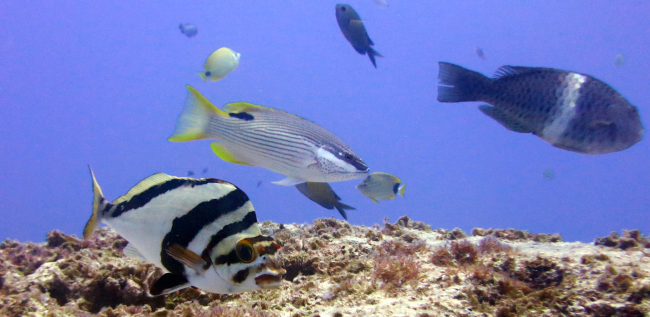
[102, 83]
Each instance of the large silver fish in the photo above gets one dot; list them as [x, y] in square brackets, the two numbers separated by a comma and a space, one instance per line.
[203, 232]
[572, 111]
[274, 139]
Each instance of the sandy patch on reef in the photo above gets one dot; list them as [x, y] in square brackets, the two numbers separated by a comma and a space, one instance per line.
[335, 269]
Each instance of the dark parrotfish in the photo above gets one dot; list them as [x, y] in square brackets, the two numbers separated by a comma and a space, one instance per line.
[572, 111]
[324, 195]
[352, 27]
[201, 232]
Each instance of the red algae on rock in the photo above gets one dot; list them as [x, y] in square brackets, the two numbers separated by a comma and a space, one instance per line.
[336, 269]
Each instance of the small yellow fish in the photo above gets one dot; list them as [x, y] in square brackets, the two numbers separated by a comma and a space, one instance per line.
[381, 186]
[219, 64]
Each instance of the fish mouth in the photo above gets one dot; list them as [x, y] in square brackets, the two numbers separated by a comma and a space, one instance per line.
[268, 280]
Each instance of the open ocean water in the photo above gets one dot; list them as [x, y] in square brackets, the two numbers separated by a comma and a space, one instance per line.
[102, 83]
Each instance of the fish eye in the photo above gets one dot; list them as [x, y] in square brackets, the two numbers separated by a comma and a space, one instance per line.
[349, 156]
[343, 9]
[244, 250]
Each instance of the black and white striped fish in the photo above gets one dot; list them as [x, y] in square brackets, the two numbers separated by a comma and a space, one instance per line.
[202, 232]
[274, 139]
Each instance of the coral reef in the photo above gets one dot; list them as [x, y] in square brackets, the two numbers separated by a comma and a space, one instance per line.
[336, 269]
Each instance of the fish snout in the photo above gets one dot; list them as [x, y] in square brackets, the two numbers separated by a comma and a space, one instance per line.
[270, 273]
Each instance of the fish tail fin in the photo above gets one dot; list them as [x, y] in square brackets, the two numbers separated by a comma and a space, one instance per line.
[341, 207]
[372, 53]
[459, 84]
[194, 121]
[401, 190]
[99, 203]
[203, 75]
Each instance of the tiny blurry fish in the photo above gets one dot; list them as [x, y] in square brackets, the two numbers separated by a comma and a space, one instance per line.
[274, 139]
[381, 186]
[259, 183]
[548, 174]
[190, 173]
[201, 232]
[479, 52]
[205, 170]
[219, 64]
[381, 3]
[352, 27]
[619, 61]
[324, 195]
[188, 29]
[572, 111]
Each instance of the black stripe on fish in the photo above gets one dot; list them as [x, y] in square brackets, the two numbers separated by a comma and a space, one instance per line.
[242, 115]
[184, 229]
[229, 230]
[146, 196]
[395, 188]
[241, 276]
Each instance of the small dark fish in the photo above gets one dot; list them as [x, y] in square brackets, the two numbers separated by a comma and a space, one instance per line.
[259, 183]
[352, 27]
[205, 170]
[188, 29]
[479, 53]
[548, 174]
[324, 195]
[190, 173]
[572, 111]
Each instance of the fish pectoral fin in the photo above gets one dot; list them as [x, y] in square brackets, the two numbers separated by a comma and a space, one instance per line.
[188, 258]
[504, 119]
[223, 154]
[131, 251]
[168, 283]
[375, 200]
[289, 181]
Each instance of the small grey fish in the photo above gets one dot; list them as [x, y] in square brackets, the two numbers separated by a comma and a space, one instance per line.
[201, 232]
[355, 32]
[548, 174]
[479, 52]
[572, 111]
[324, 195]
[619, 61]
[190, 173]
[188, 29]
[205, 170]
[274, 139]
[381, 186]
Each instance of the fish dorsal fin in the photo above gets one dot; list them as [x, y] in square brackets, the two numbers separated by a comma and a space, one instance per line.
[131, 251]
[238, 107]
[508, 70]
[153, 180]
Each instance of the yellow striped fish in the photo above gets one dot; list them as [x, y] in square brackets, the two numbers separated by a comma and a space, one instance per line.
[274, 139]
[202, 232]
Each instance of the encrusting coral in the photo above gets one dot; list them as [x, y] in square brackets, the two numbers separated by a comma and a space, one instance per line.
[336, 269]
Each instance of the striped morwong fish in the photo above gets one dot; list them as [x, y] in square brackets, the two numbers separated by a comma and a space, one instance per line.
[274, 139]
[202, 232]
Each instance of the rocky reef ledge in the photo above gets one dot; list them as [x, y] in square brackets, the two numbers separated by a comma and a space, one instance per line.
[336, 269]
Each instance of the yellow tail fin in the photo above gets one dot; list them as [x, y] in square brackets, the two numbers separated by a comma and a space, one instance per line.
[98, 202]
[402, 188]
[195, 118]
[203, 76]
